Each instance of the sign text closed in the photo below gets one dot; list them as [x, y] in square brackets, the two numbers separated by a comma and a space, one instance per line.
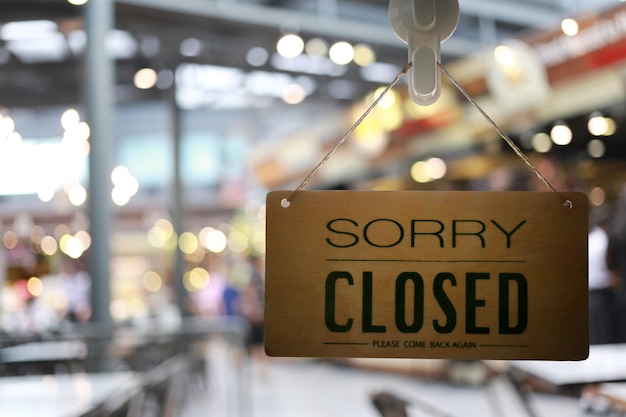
[467, 275]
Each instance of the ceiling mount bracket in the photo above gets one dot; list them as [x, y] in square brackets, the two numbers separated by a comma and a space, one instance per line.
[424, 25]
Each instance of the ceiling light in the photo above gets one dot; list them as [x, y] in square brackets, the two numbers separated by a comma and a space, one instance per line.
[316, 47]
[504, 55]
[341, 53]
[190, 47]
[69, 119]
[569, 27]
[542, 143]
[45, 47]
[121, 44]
[509, 62]
[28, 29]
[145, 78]
[77, 194]
[599, 125]
[257, 56]
[364, 55]
[7, 126]
[436, 168]
[45, 194]
[290, 46]
[561, 134]
[612, 126]
[419, 172]
[596, 148]
[294, 94]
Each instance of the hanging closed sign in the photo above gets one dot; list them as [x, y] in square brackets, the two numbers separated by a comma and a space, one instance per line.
[410, 274]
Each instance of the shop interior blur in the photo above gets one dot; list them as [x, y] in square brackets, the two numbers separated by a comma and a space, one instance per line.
[138, 139]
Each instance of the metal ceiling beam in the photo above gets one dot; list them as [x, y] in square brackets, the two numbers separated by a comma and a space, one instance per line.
[275, 17]
[517, 12]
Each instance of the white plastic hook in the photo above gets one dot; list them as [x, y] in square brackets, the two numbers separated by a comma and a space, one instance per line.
[424, 25]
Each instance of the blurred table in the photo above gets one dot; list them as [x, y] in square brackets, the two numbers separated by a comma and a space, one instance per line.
[606, 363]
[42, 357]
[64, 395]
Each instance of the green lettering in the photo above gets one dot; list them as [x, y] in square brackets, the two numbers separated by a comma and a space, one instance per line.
[436, 233]
[351, 242]
[444, 302]
[522, 303]
[329, 306]
[508, 234]
[456, 232]
[418, 302]
[368, 315]
[471, 303]
[367, 239]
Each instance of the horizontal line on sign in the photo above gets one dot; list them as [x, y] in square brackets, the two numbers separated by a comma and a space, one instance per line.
[348, 343]
[427, 261]
[520, 346]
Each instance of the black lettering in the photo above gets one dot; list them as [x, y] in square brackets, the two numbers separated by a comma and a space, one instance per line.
[508, 234]
[329, 307]
[330, 225]
[456, 232]
[367, 239]
[418, 302]
[471, 303]
[444, 302]
[368, 314]
[436, 233]
[522, 303]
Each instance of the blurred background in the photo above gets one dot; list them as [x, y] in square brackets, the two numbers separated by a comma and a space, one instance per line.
[138, 139]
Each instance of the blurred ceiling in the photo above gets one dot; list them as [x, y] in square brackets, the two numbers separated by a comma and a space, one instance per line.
[42, 65]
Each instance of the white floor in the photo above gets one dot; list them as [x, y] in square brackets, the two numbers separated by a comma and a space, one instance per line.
[312, 388]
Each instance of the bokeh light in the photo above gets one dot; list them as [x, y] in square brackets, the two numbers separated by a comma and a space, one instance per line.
[188, 242]
[196, 279]
[341, 53]
[214, 240]
[152, 281]
[34, 286]
[145, 78]
[290, 46]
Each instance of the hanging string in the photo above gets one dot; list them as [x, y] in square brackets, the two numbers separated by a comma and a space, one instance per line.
[502, 134]
[566, 203]
[304, 183]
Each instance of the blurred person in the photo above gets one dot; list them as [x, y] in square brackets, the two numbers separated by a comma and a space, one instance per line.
[617, 264]
[24, 313]
[601, 293]
[76, 286]
[230, 298]
[209, 301]
[250, 305]
[38, 318]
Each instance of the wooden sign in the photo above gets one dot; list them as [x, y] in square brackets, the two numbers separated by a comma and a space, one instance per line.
[411, 274]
